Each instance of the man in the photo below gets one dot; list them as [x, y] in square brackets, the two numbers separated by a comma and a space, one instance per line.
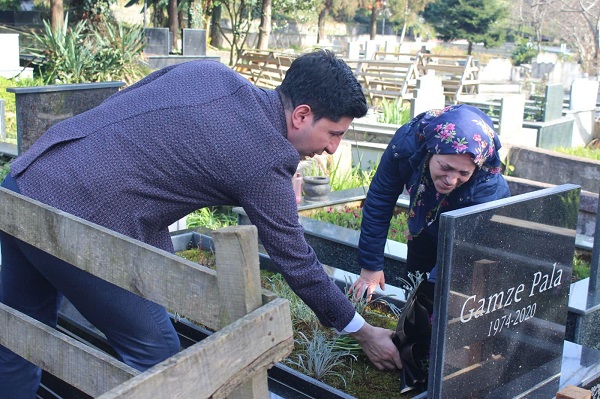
[185, 137]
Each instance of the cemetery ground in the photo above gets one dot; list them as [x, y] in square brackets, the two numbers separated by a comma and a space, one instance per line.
[504, 351]
[527, 342]
[320, 353]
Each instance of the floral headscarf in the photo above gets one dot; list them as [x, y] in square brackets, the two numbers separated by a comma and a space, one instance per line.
[457, 129]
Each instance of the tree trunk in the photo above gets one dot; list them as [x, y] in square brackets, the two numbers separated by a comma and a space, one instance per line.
[373, 24]
[403, 33]
[173, 22]
[321, 25]
[56, 14]
[470, 48]
[264, 31]
[180, 19]
[216, 39]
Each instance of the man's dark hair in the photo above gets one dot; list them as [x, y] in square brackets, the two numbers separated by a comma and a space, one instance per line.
[326, 84]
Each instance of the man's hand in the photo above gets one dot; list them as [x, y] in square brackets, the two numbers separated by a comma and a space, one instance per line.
[367, 283]
[377, 344]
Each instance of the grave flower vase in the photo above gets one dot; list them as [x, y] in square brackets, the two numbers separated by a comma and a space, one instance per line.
[316, 188]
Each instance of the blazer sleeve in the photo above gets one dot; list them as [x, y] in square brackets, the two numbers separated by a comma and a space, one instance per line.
[391, 177]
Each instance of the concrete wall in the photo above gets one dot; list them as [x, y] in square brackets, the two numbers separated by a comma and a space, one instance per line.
[588, 202]
[547, 166]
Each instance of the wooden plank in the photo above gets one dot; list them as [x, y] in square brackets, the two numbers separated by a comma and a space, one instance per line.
[157, 275]
[213, 367]
[85, 368]
[236, 253]
[237, 260]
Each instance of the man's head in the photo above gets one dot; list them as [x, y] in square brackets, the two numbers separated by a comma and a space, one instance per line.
[326, 84]
[321, 97]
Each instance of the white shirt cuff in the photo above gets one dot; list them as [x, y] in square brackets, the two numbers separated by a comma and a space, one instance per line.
[355, 324]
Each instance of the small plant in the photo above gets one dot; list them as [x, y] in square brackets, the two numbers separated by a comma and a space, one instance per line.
[523, 53]
[393, 112]
[413, 281]
[319, 356]
[66, 54]
[4, 169]
[212, 218]
[300, 312]
[581, 268]
[352, 218]
[353, 178]
[509, 168]
[204, 257]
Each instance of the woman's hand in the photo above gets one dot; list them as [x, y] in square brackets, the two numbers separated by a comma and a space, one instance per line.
[367, 283]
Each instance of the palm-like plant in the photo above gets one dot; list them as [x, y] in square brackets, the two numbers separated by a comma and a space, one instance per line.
[320, 356]
[80, 54]
[119, 53]
[64, 53]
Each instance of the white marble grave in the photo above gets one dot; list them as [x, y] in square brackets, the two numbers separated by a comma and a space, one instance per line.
[584, 93]
[9, 57]
[429, 94]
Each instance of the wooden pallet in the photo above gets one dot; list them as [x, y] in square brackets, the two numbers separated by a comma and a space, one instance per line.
[253, 328]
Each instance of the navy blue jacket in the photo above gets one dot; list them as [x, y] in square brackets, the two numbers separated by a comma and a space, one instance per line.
[398, 168]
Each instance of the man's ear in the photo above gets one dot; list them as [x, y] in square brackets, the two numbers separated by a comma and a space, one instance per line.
[300, 115]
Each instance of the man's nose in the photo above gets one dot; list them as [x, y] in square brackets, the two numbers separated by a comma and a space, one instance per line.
[333, 144]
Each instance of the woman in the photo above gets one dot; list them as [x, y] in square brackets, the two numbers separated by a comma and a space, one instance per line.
[446, 159]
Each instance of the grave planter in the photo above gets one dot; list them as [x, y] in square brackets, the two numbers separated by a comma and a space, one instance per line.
[282, 377]
[316, 188]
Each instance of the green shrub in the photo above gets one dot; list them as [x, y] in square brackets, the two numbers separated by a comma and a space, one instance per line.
[80, 53]
[10, 5]
[4, 169]
[353, 178]
[523, 53]
[352, 217]
[393, 112]
[212, 218]
[581, 268]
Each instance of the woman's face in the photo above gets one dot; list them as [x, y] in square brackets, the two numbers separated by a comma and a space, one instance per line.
[448, 171]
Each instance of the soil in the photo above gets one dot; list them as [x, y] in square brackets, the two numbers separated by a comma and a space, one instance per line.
[359, 377]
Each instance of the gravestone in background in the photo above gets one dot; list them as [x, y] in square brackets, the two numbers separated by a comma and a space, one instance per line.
[429, 94]
[10, 58]
[157, 41]
[553, 102]
[194, 42]
[584, 93]
[40, 107]
[501, 296]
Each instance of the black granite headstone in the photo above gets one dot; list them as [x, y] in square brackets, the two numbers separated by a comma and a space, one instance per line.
[40, 107]
[194, 42]
[504, 272]
[157, 41]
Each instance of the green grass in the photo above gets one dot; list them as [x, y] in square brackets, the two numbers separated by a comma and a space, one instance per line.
[212, 218]
[4, 168]
[10, 107]
[583, 152]
[581, 268]
[352, 217]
